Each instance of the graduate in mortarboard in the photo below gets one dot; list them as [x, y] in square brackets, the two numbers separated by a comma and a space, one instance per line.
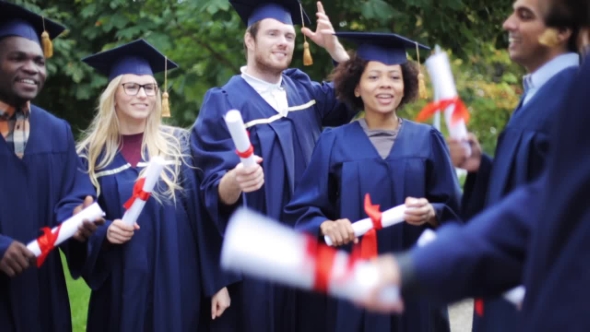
[284, 112]
[393, 160]
[40, 184]
[162, 274]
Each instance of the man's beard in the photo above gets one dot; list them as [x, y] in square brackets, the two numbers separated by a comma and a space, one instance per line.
[266, 66]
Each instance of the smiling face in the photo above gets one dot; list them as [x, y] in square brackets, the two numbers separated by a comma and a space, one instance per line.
[22, 70]
[272, 47]
[135, 108]
[381, 87]
[525, 25]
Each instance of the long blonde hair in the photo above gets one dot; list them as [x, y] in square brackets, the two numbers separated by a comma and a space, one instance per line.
[101, 141]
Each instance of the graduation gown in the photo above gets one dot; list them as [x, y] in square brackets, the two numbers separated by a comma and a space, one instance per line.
[31, 191]
[520, 157]
[164, 277]
[285, 144]
[344, 167]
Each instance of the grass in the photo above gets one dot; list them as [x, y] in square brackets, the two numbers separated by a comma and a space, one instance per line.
[79, 294]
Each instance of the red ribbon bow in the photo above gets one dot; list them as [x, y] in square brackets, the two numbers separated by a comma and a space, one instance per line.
[324, 258]
[137, 193]
[46, 243]
[368, 245]
[459, 113]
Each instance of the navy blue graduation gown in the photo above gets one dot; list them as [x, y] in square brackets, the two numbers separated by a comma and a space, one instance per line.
[285, 144]
[344, 167]
[31, 190]
[520, 157]
[164, 277]
[557, 273]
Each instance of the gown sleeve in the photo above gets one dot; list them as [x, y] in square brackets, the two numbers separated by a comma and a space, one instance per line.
[213, 152]
[442, 190]
[314, 199]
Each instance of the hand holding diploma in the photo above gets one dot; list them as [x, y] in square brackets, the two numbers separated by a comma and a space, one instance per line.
[369, 226]
[88, 227]
[51, 238]
[260, 247]
[142, 190]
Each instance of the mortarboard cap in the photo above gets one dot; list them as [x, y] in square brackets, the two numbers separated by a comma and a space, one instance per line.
[387, 48]
[137, 57]
[285, 11]
[18, 21]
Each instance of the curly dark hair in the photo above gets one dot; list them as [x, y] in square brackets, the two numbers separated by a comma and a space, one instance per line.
[347, 75]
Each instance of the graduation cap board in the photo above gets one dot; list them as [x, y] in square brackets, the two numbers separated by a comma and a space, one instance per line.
[18, 21]
[387, 48]
[137, 57]
[285, 11]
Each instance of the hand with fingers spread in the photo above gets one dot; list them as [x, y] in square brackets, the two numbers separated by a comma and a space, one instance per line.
[324, 36]
[88, 227]
[339, 231]
[419, 212]
[16, 259]
[459, 153]
[389, 275]
[220, 302]
[119, 233]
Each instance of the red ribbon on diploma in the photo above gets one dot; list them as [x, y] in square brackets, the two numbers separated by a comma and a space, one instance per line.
[459, 113]
[323, 257]
[246, 153]
[46, 243]
[368, 245]
[478, 305]
[137, 193]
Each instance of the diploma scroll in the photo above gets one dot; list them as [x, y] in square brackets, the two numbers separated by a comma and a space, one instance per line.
[239, 135]
[389, 217]
[52, 238]
[142, 190]
[263, 248]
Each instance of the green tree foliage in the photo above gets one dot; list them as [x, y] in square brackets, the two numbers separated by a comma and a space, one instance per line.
[205, 37]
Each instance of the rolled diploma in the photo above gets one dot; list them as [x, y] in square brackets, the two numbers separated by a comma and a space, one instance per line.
[390, 217]
[439, 69]
[69, 227]
[260, 247]
[238, 133]
[152, 174]
[514, 295]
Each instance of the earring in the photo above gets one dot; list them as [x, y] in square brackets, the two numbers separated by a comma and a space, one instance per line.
[549, 38]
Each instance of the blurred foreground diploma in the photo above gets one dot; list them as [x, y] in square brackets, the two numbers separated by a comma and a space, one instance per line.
[261, 247]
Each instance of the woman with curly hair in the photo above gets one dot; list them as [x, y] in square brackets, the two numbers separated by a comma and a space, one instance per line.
[161, 273]
[394, 160]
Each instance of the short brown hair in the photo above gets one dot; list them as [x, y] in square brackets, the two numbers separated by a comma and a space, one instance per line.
[253, 31]
[347, 75]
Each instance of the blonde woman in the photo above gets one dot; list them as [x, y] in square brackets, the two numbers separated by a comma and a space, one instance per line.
[154, 275]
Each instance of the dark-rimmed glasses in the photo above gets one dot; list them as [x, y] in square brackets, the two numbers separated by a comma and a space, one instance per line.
[132, 89]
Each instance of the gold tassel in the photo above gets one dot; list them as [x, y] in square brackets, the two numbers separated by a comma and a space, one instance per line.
[549, 38]
[307, 59]
[47, 44]
[422, 92]
[165, 101]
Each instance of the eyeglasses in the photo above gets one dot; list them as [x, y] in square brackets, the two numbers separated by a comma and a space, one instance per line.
[132, 89]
